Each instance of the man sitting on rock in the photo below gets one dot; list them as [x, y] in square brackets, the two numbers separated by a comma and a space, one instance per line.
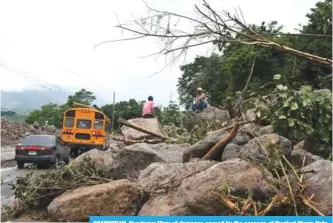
[148, 108]
[200, 102]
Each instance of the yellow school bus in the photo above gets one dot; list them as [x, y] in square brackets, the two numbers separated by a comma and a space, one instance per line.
[85, 128]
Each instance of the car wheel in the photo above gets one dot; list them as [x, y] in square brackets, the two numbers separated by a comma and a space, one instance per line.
[20, 165]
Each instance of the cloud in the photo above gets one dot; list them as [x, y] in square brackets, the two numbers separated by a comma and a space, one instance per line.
[53, 44]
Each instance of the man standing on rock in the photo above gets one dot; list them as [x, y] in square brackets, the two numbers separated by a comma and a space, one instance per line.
[148, 108]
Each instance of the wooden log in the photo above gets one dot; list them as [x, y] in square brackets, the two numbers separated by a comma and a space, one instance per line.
[124, 122]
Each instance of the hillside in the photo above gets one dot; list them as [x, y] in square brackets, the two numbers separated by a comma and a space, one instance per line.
[28, 100]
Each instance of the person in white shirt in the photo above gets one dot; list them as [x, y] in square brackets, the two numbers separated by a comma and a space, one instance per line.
[200, 102]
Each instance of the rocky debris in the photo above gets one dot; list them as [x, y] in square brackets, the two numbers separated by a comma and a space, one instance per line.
[35, 125]
[151, 124]
[251, 114]
[249, 128]
[12, 132]
[193, 195]
[200, 148]
[319, 183]
[51, 128]
[260, 147]
[116, 198]
[297, 156]
[130, 160]
[299, 145]
[99, 159]
[171, 153]
[209, 114]
[265, 130]
[230, 151]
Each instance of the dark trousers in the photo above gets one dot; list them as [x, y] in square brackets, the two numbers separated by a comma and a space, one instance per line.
[148, 116]
[200, 106]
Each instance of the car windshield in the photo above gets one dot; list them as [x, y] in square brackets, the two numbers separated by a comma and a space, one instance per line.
[39, 140]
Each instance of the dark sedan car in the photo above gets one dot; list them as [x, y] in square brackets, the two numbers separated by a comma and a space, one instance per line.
[41, 150]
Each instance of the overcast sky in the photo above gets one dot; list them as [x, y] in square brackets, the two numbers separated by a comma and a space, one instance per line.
[52, 43]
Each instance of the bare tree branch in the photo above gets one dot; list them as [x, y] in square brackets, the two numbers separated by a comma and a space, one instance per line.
[210, 27]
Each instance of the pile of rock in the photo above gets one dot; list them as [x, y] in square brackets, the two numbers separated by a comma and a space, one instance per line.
[12, 132]
[167, 179]
[172, 179]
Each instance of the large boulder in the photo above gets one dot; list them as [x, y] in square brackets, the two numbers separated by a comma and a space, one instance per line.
[231, 151]
[100, 159]
[318, 181]
[265, 130]
[116, 198]
[200, 148]
[189, 187]
[209, 114]
[51, 128]
[160, 177]
[260, 148]
[35, 125]
[151, 124]
[130, 160]
[171, 153]
[297, 156]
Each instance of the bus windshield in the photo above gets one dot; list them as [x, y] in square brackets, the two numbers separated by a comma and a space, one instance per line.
[83, 124]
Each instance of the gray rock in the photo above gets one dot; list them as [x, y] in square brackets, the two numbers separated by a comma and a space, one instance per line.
[97, 158]
[240, 139]
[171, 153]
[191, 193]
[209, 114]
[265, 130]
[35, 125]
[319, 183]
[200, 148]
[115, 198]
[160, 177]
[130, 160]
[251, 114]
[299, 145]
[231, 151]
[297, 156]
[259, 148]
[151, 124]
[51, 128]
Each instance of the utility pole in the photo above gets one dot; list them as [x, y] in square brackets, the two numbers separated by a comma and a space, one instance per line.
[114, 98]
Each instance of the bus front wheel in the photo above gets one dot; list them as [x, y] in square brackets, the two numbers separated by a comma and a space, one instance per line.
[74, 152]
